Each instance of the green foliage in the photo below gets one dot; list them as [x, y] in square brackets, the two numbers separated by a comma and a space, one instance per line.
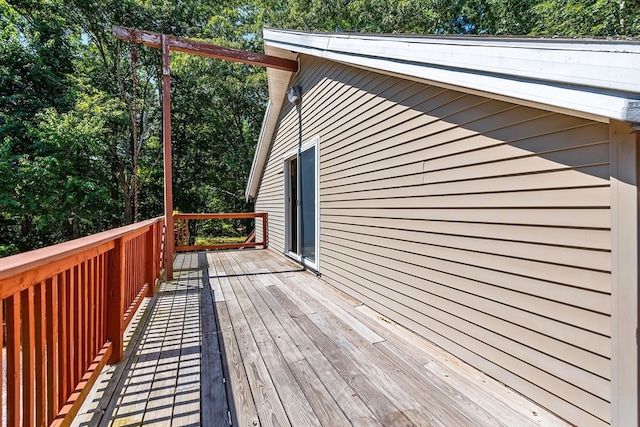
[205, 241]
[217, 110]
[510, 17]
[576, 18]
[71, 94]
[69, 158]
[36, 59]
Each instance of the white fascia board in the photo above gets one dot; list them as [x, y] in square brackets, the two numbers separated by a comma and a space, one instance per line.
[607, 65]
[596, 78]
[579, 65]
[562, 97]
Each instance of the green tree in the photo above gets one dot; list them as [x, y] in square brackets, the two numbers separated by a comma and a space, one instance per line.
[80, 111]
[68, 156]
[36, 60]
[217, 109]
[579, 18]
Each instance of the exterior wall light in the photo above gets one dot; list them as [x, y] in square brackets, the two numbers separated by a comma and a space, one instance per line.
[294, 94]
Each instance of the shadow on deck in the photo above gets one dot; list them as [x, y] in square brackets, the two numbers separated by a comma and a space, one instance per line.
[247, 337]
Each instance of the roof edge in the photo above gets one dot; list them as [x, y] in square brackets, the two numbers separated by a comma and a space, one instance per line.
[597, 78]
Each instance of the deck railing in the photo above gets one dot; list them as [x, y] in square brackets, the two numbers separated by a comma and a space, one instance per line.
[184, 231]
[66, 308]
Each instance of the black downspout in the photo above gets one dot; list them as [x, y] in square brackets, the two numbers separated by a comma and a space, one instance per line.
[299, 184]
[294, 94]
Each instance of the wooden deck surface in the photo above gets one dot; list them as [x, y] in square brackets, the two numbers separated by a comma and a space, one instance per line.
[247, 336]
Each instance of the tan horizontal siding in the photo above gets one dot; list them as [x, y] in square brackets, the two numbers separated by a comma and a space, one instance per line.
[568, 237]
[490, 320]
[493, 155]
[558, 255]
[582, 197]
[564, 179]
[480, 224]
[369, 138]
[575, 218]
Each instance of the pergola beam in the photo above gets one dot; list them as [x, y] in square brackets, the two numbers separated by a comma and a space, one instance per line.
[166, 43]
[180, 44]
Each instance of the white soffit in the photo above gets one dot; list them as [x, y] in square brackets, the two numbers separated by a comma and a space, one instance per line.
[278, 85]
[583, 77]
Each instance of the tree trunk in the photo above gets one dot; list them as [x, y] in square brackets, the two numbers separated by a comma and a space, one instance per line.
[128, 204]
[74, 223]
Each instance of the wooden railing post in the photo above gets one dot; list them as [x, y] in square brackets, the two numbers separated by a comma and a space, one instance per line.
[150, 271]
[264, 231]
[115, 299]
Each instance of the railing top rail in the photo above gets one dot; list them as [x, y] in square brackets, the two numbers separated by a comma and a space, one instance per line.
[219, 215]
[17, 264]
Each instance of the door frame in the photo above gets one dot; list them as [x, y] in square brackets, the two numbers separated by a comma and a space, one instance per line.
[287, 157]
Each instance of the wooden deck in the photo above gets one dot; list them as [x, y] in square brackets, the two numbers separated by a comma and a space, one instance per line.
[248, 336]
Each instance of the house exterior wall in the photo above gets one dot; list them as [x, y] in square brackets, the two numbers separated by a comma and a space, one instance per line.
[481, 225]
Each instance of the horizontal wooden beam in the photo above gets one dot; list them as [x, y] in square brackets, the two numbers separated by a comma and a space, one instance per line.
[238, 215]
[219, 246]
[180, 44]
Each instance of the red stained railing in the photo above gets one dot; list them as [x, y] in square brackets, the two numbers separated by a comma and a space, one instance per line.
[66, 308]
[182, 230]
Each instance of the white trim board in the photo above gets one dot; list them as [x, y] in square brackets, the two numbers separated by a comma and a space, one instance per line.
[596, 78]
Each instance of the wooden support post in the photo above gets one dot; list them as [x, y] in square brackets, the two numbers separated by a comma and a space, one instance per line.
[168, 174]
[624, 274]
[115, 300]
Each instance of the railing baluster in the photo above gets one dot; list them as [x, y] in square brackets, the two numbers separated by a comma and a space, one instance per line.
[53, 349]
[2, 360]
[13, 360]
[149, 273]
[28, 356]
[91, 308]
[131, 274]
[131, 259]
[41, 321]
[102, 303]
[86, 354]
[71, 319]
[63, 336]
[79, 336]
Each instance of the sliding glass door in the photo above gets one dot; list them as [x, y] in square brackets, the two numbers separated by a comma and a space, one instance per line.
[301, 210]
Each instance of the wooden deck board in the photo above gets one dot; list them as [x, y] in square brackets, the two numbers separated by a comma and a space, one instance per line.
[251, 337]
[270, 409]
[215, 405]
[241, 402]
